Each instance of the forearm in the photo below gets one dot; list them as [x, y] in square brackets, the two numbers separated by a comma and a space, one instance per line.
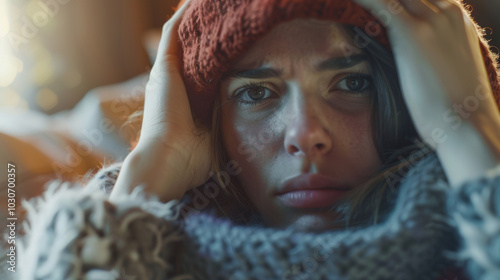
[168, 178]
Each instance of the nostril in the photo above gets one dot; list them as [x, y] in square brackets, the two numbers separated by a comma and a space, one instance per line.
[293, 149]
[320, 146]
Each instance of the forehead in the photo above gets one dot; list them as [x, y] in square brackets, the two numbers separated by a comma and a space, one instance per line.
[310, 39]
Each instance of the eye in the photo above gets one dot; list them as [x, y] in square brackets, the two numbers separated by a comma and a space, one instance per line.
[354, 84]
[256, 93]
[252, 93]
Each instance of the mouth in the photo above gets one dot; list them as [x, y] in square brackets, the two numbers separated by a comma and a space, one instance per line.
[311, 191]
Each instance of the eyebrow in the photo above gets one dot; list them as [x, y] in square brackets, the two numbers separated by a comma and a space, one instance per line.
[333, 63]
[258, 73]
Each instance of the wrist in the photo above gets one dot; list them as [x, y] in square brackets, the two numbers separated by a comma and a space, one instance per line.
[162, 179]
[470, 150]
[487, 126]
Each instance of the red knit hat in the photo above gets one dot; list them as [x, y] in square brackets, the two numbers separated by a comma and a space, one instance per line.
[214, 33]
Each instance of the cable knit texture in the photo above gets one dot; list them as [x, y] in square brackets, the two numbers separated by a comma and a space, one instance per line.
[77, 234]
[476, 209]
[80, 234]
[230, 27]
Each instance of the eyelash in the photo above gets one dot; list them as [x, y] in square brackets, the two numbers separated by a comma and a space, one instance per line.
[358, 75]
[246, 86]
[252, 85]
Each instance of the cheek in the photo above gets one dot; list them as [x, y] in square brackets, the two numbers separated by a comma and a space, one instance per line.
[357, 140]
[255, 145]
[250, 139]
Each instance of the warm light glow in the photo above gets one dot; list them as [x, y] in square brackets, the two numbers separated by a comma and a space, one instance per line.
[46, 99]
[4, 21]
[43, 70]
[10, 66]
[11, 99]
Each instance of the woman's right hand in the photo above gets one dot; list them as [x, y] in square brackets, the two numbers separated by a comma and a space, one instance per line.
[172, 155]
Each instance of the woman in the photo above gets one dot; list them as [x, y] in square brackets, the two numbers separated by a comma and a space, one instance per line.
[305, 141]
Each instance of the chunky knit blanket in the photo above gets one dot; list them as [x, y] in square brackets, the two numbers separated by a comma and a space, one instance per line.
[75, 233]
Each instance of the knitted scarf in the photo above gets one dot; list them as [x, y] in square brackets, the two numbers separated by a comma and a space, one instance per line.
[77, 232]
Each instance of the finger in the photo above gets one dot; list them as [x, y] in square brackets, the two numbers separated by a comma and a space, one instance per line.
[391, 13]
[422, 9]
[166, 97]
[374, 5]
[169, 44]
[449, 8]
[453, 12]
[444, 4]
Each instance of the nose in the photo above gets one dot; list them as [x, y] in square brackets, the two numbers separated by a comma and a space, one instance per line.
[306, 135]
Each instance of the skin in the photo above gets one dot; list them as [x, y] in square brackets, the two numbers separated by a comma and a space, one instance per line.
[309, 120]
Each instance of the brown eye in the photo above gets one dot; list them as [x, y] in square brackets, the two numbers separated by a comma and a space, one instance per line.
[256, 93]
[354, 84]
[253, 93]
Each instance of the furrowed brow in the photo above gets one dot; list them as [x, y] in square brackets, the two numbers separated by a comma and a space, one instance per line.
[267, 72]
[259, 73]
[335, 63]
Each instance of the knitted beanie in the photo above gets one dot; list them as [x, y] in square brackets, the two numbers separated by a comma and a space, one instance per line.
[214, 33]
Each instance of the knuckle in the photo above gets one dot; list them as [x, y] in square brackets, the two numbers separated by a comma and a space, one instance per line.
[452, 8]
[469, 23]
[388, 5]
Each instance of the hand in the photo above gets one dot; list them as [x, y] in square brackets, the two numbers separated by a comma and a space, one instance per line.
[172, 155]
[439, 60]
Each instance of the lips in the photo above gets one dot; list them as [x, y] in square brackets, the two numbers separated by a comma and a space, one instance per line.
[311, 191]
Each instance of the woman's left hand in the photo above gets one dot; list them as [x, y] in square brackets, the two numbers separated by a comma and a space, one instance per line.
[444, 81]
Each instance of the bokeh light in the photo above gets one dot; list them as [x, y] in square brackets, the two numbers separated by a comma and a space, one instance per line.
[43, 70]
[46, 99]
[39, 13]
[4, 21]
[9, 98]
[10, 66]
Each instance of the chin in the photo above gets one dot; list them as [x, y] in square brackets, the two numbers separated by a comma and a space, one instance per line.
[316, 222]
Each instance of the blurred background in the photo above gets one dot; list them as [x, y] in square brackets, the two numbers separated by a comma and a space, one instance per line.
[54, 51]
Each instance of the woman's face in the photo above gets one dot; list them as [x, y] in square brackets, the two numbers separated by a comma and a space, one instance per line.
[296, 116]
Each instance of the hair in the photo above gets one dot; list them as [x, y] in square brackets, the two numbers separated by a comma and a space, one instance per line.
[397, 142]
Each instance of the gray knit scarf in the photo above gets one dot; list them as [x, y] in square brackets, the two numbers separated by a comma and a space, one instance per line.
[77, 234]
